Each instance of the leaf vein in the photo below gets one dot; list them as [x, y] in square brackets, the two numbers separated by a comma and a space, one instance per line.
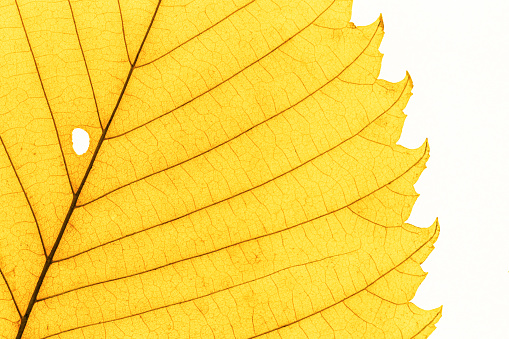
[26, 197]
[86, 65]
[123, 33]
[428, 324]
[197, 35]
[45, 96]
[10, 292]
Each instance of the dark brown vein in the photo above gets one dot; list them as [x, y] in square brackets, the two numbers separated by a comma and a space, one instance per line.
[86, 66]
[224, 81]
[250, 189]
[197, 35]
[49, 259]
[26, 197]
[222, 290]
[45, 96]
[10, 292]
[238, 243]
[123, 33]
[238, 135]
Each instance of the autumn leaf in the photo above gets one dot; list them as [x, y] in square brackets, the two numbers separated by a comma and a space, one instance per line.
[243, 178]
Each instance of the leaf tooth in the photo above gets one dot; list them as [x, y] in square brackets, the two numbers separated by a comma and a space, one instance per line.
[387, 128]
[366, 66]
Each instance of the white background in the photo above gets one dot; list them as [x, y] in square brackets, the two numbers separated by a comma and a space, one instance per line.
[457, 53]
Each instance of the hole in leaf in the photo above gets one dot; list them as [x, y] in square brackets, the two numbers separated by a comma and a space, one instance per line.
[80, 141]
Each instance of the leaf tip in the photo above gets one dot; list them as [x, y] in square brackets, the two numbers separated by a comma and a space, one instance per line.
[381, 21]
[437, 224]
[438, 315]
[408, 77]
[426, 146]
[436, 230]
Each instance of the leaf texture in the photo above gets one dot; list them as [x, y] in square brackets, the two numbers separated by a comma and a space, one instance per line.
[243, 178]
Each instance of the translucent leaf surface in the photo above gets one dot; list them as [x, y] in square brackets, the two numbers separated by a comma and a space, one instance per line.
[242, 179]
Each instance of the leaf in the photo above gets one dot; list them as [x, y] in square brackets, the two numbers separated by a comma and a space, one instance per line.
[243, 178]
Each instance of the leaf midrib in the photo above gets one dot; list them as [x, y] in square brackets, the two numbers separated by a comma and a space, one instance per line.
[49, 258]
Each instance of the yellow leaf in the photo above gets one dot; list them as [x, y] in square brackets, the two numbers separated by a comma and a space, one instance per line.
[243, 178]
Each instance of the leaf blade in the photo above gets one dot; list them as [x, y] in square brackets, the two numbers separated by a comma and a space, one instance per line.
[251, 194]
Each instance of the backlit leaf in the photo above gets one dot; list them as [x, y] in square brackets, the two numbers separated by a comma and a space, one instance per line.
[242, 179]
